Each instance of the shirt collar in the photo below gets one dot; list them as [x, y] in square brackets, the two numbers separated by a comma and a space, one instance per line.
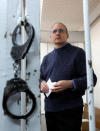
[61, 46]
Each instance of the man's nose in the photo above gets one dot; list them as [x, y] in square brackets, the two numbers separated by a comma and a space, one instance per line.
[57, 32]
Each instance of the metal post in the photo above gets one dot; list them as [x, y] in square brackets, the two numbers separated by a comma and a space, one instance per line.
[89, 67]
[23, 71]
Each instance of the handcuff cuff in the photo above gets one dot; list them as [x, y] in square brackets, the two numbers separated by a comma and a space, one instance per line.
[13, 86]
[18, 52]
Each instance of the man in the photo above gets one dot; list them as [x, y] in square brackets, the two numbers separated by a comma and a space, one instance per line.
[66, 66]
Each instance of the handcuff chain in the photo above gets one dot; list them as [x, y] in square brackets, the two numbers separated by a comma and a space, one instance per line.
[16, 69]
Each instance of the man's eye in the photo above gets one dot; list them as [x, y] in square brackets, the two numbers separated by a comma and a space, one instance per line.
[61, 30]
[54, 31]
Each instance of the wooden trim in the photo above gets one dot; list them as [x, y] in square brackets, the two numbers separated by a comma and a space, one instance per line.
[97, 116]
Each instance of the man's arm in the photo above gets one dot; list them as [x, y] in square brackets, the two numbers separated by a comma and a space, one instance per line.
[43, 85]
[78, 83]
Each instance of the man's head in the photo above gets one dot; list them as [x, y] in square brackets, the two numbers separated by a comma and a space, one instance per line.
[59, 34]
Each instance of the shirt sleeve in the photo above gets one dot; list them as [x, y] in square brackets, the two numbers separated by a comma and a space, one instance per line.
[74, 85]
[42, 69]
[80, 82]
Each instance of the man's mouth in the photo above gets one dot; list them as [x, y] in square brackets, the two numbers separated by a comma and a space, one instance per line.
[58, 38]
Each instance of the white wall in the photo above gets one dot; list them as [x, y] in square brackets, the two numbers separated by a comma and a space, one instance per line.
[95, 40]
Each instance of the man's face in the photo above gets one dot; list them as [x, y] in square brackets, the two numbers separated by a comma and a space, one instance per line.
[59, 35]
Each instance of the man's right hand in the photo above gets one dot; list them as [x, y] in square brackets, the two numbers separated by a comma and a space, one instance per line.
[44, 87]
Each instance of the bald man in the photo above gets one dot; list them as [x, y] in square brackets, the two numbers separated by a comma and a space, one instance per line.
[66, 66]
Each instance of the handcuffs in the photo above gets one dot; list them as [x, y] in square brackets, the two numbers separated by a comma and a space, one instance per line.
[18, 85]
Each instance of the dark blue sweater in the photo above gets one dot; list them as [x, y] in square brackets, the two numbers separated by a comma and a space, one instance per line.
[65, 63]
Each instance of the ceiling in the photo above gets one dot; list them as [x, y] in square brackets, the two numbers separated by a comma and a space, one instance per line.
[70, 12]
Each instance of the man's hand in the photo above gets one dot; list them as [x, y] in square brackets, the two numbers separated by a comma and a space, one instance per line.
[44, 87]
[62, 85]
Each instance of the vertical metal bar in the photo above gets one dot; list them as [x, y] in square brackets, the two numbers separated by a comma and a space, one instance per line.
[23, 70]
[89, 67]
[41, 5]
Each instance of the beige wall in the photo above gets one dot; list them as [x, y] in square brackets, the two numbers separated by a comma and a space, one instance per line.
[95, 40]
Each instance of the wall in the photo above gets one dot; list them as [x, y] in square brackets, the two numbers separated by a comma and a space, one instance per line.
[95, 40]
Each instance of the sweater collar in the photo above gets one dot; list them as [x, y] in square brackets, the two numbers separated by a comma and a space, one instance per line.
[66, 45]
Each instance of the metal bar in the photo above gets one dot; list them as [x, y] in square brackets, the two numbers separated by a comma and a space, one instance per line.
[23, 70]
[89, 67]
